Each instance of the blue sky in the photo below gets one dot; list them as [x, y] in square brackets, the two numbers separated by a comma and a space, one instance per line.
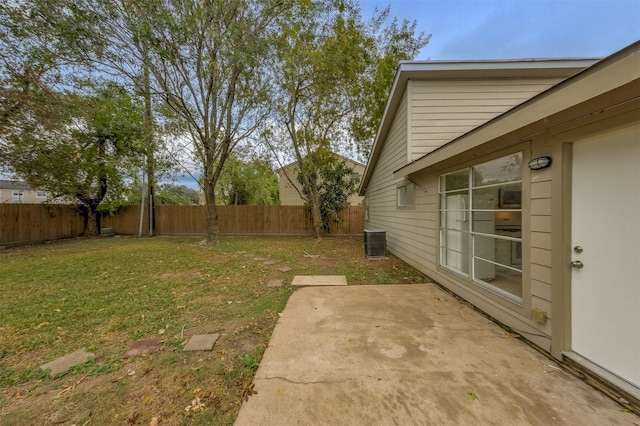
[509, 29]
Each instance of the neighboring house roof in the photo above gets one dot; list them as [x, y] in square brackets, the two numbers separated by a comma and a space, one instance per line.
[14, 184]
[293, 163]
[460, 70]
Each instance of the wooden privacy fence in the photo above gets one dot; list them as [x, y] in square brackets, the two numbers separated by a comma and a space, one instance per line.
[27, 223]
[32, 223]
[232, 220]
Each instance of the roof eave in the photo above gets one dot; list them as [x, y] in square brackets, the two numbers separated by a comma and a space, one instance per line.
[452, 70]
[614, 71]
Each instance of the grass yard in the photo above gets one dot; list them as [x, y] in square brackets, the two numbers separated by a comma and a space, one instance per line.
[102, 294]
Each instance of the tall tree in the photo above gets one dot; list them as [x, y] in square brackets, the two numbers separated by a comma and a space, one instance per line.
[205, 59]
[335, 185]
[76, 147]
[248, 182]
[393, 43]
[327, 61]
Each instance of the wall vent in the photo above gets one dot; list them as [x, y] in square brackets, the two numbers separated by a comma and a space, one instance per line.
[375, 243]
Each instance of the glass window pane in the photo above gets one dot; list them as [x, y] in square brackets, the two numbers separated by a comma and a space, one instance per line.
[503, 279]
[510, 196]
[485, 248]
[409, 194]
[454, 251]
[498, 197]
[454, 211]
[506, 253]
[486, 198]
[458, 200]
[505, 169]
[457, 220]
[508, 223]
[401, 196]
[455, 180]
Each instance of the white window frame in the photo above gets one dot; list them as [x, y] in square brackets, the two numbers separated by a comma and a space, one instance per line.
[17, 196]
[405, 195]
[467, 215]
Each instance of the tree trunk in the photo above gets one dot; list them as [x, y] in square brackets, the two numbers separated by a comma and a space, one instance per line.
[316, 214]
[92, 229]
[212, 213]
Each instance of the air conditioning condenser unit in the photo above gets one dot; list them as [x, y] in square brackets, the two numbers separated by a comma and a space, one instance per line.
[375, 243]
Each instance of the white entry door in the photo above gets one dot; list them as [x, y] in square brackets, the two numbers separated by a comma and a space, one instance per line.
[605, 285]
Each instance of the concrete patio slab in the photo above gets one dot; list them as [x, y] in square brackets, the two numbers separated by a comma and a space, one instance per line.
[410, 355]
[67, 362]
[201, 342]
[319, 280]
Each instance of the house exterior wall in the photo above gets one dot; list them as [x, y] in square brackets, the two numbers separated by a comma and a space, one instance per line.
[19, 193]
[442, 110]
[601, 101]
[407, 229]
[413, 235]
[289, 195]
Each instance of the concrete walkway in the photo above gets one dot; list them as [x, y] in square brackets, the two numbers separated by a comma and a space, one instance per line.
[409, 355]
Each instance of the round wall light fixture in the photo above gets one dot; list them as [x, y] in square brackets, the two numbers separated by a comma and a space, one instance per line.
[540, 163]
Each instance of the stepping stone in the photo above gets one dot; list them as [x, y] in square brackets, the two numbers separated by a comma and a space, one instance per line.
[316, 280]
[259, 259]
[270, 262]
[284, 269]
[143, 346]
[201, 342]
[67, 362]
[275, 283]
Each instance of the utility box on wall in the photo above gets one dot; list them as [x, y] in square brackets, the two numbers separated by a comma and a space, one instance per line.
[375, 243]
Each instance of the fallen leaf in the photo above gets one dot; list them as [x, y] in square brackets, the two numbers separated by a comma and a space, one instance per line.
[133, 419]
[195, 405]
[154, 421]
[473, 395]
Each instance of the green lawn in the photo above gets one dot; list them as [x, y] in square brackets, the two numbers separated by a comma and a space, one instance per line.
[102, 294]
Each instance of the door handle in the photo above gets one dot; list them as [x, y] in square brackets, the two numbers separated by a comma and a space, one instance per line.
[577, 264]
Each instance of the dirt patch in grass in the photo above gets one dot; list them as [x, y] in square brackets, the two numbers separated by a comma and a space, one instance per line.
[103, 294]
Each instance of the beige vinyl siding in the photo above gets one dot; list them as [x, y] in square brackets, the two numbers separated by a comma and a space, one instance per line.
[381, 191]
[28, 196]
[440, 111]
[409, 231]
[540, 255]
[289, 195]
